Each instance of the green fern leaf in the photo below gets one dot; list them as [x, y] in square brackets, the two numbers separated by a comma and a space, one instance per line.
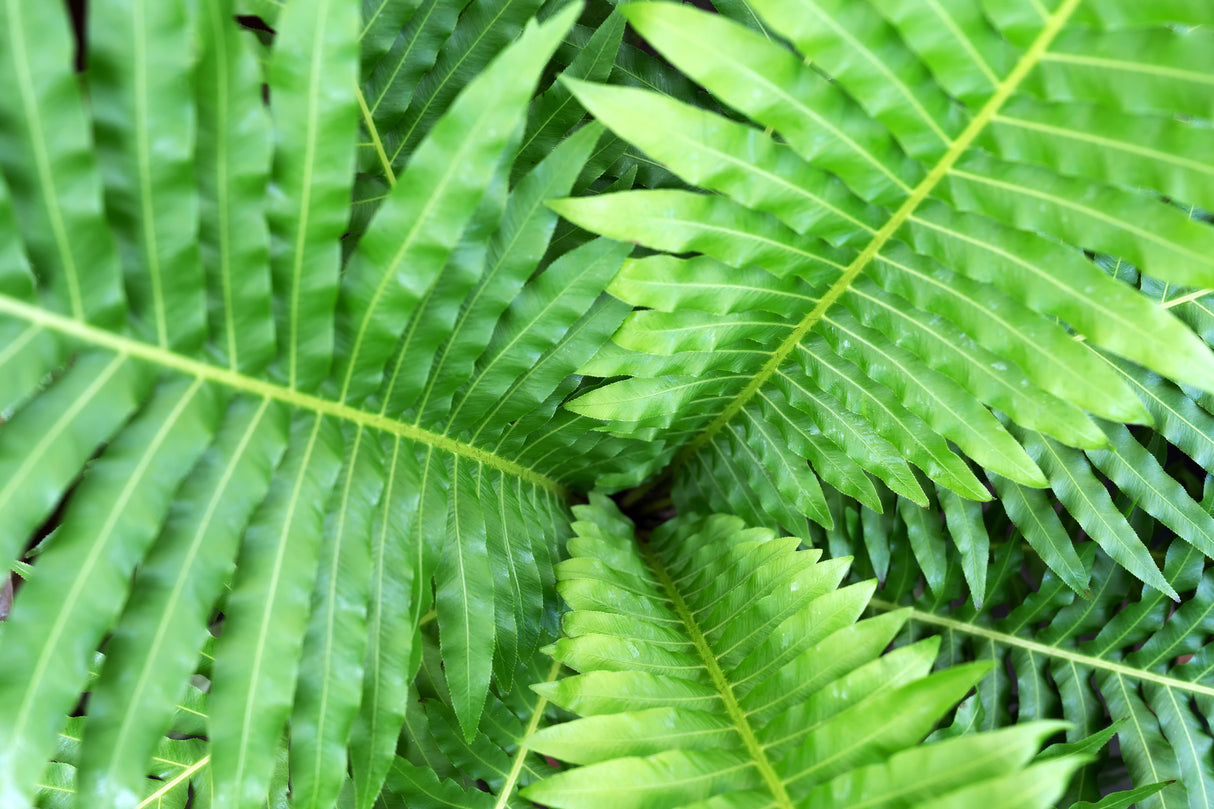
[735, 674]
[437, 765]
[271, 413]
[871, 270]
[1145, 661]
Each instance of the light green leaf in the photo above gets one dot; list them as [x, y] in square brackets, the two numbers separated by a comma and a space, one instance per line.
[84, 575]
[313, 64]
[155, 646]
[141, 95]
[465, 601]
[331, 663]
[233, 158]
[267, 614]
[674, 742]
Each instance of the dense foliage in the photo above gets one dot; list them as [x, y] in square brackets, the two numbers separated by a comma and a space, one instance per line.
[327, 328]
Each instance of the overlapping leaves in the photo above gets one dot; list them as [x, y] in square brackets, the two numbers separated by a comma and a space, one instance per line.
[177, 769]
[1123, 655]
[437, 766]
[234, 429]
[897, 259]
[290, 373]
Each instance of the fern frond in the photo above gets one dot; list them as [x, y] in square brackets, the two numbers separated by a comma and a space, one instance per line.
[1135, 477]
[1123, 651]
[176, 768]
[438, 766]
[892, 262]
[322, 431]
[555, 112]
[720, 666]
